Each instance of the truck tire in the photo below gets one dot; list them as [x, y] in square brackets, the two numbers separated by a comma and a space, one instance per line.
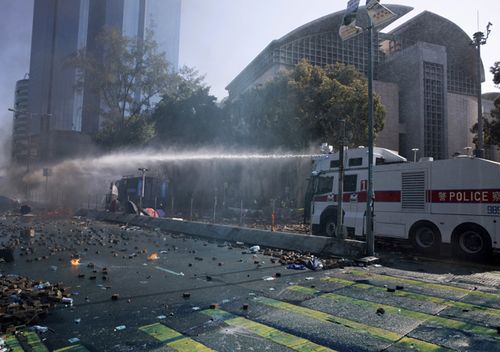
[426, 238]
[330, 226]
[472, 242]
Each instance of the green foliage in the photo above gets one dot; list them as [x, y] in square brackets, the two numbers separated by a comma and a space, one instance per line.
[124, 73]
[491, 127]
[305, 106]
[495, 70]
[188, 114]
[137, 130]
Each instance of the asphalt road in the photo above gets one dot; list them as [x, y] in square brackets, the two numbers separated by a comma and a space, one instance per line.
[202, 296]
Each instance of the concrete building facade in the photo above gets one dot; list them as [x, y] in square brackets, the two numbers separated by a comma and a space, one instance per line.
[424, 73]
[21, 125]
[59, 107]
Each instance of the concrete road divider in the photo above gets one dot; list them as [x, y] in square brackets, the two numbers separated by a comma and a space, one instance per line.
[273, 239]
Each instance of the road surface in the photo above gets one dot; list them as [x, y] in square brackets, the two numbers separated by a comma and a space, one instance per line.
[207, 296]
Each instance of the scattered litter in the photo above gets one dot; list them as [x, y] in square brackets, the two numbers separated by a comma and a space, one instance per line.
[254, 249]
[120, 328]
[40, 329]
[169, 271]
[268, 278]
[365, 261]
[67, 300]
[296, 266]
[74, 340]
[42, 286]
[314, 263]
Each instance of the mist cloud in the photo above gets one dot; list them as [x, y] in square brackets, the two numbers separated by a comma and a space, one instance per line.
[15, 38]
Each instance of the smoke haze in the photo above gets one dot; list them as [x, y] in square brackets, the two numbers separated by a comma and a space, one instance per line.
[15, 41]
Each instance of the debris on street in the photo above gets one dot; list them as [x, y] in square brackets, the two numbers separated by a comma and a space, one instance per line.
[24, 301]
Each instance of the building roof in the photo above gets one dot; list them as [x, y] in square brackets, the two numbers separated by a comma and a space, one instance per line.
[424, 27]
[328, 23]
[333, 21]
[432, 28]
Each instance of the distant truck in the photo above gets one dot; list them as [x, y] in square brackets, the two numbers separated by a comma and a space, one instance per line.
[454, 201]
[155, 191]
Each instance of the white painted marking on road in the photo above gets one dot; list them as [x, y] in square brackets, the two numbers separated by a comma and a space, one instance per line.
[169, 271]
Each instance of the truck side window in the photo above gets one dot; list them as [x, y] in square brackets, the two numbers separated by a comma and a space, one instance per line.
[334, 164]
[356, 162]
[350, 182]
[324, 184]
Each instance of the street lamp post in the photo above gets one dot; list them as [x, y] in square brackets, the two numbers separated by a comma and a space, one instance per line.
[377, 15]
[143, 170]
[370, 238]
[480, 39]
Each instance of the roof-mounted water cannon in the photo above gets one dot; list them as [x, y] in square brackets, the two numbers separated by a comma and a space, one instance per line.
[326, 148]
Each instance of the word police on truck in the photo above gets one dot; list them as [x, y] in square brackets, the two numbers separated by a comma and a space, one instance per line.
[454, 201]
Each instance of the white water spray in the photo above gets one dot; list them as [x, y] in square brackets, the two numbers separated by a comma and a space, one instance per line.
[123, 161]
[92, 175]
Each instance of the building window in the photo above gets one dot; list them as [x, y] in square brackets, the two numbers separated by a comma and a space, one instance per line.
[433, 110]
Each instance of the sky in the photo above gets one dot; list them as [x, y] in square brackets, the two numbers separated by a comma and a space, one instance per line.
[220, 37]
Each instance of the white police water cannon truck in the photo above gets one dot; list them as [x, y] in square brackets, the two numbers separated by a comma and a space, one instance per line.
[429, 202]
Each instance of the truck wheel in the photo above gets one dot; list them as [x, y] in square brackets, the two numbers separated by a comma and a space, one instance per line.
[473, 243]
[426, 238]
[330, 226]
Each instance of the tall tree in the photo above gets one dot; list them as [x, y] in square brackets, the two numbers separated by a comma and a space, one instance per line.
[305, 106]
[136, 130]
[125, 74]
[495, 70]
[491, 126]
[187, 114]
